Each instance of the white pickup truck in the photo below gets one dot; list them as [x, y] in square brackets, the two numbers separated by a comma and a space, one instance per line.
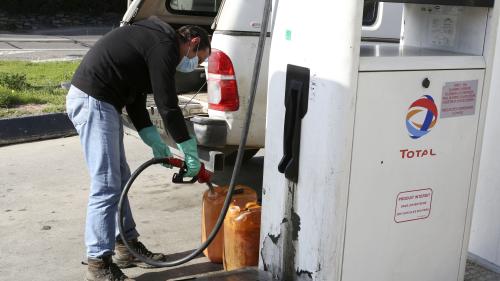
[216, 117]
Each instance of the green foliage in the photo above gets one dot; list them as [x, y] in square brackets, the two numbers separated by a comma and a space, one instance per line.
[13, 112]
[47, 74]
[13, 81]
[23, 83]
[12, 98]
[6, 99]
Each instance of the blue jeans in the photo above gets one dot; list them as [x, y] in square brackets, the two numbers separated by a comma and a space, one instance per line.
[100, 128]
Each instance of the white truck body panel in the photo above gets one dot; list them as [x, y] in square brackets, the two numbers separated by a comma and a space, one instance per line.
[241, 15]
[245, 16]
[242, 51]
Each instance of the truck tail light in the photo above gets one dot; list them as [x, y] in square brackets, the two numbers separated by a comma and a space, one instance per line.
[221, 83]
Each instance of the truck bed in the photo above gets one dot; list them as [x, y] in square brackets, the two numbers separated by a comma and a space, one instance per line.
[190, 103]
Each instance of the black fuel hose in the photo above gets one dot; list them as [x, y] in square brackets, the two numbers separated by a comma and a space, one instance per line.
[147, 260]
[236, 170]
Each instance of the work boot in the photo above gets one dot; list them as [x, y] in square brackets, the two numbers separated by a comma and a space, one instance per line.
[104, 269]
[124, 259]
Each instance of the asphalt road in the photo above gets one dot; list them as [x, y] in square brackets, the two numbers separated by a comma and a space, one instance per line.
[49, 45]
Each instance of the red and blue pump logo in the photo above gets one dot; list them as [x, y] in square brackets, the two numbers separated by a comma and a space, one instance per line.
[422, 117]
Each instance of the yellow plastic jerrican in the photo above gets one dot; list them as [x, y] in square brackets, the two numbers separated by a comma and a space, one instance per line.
[213, 202]
[241, 236]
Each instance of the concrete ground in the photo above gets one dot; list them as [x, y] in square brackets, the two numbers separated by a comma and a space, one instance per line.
[43, 195]
[475, 272]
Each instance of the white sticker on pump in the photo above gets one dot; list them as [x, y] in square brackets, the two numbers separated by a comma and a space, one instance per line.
[413, 205]
[442, 25]
[443, 30]
[459, 99]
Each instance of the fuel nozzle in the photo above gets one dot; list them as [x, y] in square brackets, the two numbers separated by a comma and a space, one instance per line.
[203, 176]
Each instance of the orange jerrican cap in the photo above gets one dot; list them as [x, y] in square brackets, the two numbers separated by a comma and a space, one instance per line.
[252, 206]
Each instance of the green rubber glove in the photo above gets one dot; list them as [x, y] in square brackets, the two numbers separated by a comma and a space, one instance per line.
[152, 138]
[190, 150]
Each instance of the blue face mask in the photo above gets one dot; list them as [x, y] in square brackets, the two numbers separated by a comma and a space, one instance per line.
[188, 64]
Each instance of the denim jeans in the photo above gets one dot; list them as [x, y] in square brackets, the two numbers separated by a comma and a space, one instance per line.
[100, 128]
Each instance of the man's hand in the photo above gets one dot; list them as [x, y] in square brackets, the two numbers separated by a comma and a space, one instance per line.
[152, 138]
[190, 150]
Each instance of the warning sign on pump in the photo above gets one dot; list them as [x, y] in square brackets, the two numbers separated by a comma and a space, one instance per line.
[442, 30]
[459, 99]
[413, 205]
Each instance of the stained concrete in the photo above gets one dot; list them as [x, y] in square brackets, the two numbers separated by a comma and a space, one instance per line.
[43, 195]
[475, 272]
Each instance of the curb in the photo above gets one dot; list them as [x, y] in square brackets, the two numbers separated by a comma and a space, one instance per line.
[32, 128]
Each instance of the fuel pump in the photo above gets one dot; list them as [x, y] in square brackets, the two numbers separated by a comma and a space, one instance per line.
[372, 148]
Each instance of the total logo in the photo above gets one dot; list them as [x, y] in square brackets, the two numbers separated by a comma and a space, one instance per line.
[418, 153]
[422, 116]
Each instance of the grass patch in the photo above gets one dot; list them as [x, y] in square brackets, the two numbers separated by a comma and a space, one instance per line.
[23, 84]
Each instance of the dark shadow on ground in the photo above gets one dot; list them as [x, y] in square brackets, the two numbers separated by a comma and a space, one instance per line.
[176, 256]
[181, 271]
[250, 174]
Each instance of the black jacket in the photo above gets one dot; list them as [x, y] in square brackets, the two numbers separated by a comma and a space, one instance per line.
[129, 62]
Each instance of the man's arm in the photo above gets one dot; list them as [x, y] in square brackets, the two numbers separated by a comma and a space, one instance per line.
[162, 62]
[138, 113]
[149, 134]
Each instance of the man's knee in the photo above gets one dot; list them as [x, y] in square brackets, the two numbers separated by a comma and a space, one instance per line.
[105, 197]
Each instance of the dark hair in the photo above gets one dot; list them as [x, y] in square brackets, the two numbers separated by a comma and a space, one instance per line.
[189, 32]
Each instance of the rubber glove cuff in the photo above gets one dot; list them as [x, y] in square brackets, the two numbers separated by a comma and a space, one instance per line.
[190, 150]
[152, 138]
